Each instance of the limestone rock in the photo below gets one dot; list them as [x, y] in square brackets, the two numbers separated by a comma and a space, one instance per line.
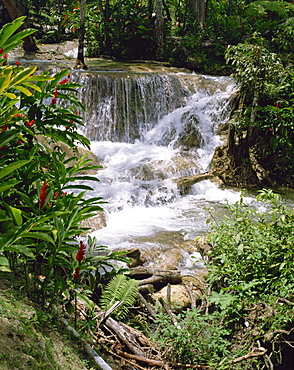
[179, 297]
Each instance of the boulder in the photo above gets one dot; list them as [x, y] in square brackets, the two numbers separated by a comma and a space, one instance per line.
[179, 297]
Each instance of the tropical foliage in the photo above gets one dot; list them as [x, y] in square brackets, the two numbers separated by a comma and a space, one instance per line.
[42, 199]
[127, 30]
[249, 309]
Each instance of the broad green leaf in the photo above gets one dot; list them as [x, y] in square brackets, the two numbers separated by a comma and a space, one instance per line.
[5, 269]
[223, 299]
[16, 215]
[21, 76]
[9, 29]
[4, 261]
[39, 235]
[10, 95]
[5, 78]
[41, 77]
[12, 167]
[89, 302]
[8, 184]
[23, 90]
[82, 187]
[22, 250]
[32, 86]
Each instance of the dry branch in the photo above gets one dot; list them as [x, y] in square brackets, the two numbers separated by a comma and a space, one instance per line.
[147, 305]
[148, 361]
[254, 353]
[128, 338]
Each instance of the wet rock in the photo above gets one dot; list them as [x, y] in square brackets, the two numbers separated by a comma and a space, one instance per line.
[94, 223]
[72, 153]
[172, 259]
[190, 137]
[185, 183]
[135, 257]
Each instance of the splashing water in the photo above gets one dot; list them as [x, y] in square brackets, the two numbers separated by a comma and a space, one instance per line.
[173, 134]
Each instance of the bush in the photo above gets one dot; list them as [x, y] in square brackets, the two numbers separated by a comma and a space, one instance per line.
[42, 200]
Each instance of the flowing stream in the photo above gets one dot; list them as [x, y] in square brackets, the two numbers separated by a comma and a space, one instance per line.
[147, 129]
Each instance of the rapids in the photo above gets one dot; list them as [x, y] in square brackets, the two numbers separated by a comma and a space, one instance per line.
[148, 128]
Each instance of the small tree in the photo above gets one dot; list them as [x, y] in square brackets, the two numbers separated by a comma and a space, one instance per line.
[80, 58]
[255, 68]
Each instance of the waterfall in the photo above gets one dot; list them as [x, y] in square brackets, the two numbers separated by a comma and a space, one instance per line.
[148, 129]
[124, 107]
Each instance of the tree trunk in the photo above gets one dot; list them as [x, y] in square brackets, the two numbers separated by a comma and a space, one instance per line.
[106, 26]
[16, 10]
[159, 29]
[198, 10]
[80, 63]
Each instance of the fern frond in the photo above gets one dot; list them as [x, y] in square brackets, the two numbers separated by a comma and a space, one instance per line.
[120, 288]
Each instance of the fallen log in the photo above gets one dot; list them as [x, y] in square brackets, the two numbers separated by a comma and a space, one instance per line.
[125, 335]
[153, 276]
[185, 183]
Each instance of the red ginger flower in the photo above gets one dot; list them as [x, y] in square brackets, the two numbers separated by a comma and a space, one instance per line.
[77, 273]
[79, 257]
[64, 81]
[43, 194]
[4, 57]
[20, 115]
[53, 101]
[17, 63]
[30, 123]
[81, 252]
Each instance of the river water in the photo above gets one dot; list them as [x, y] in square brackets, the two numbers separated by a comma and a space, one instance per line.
[147, 129]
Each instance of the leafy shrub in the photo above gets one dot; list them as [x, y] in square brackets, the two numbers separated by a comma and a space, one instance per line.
[251, 272]
[198, 338]
[42, 200]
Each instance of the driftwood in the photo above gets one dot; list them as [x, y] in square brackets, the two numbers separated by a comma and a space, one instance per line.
[153, 276]
[147, 305]
[123, 332]
[185, 183]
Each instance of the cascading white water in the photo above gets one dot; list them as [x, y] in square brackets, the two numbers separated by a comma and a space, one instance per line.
[173, 135]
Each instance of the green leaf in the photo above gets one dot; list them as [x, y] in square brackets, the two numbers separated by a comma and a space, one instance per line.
[12, 167]
[4, 261]
[22, 250]
[9, 29]
[16, 215]
[22, 75]
[223, 299]
[8, 136]
[8, 184]
[39, 235]
[82, 187]
[85, 299]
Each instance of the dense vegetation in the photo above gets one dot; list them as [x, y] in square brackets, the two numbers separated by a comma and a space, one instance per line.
[249, 311]
[195, 33]
[246, 319]
[253, 39]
